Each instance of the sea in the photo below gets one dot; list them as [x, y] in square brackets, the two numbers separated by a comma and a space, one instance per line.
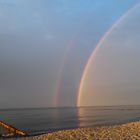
[36, 121]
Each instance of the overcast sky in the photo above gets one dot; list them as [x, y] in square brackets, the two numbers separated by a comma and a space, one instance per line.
[45, 44]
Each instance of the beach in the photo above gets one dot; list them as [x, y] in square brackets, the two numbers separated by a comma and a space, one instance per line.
[128, 131]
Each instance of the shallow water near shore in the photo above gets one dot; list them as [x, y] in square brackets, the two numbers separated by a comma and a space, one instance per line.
[41, 120]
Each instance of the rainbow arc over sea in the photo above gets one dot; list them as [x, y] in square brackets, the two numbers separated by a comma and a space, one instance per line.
[90, 60]
[94, 52]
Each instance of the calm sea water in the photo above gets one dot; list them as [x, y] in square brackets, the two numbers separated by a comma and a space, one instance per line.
[36, 121]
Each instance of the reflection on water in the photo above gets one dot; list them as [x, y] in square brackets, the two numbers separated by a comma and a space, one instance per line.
[41, 120]
[35, 121]
[94, 116]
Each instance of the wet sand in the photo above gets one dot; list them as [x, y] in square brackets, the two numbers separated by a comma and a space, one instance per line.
[129, 131]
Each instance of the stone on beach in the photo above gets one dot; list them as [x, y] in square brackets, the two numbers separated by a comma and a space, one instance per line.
[129, 131]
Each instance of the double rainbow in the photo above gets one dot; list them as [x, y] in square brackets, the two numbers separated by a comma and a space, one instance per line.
[90, 60]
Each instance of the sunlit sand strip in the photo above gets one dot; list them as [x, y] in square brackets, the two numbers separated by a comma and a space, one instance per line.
[129, 131]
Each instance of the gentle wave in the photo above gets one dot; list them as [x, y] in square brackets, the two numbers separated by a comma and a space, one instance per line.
[41, 120]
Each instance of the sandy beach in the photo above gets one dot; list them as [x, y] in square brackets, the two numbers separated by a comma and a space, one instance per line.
[129, 131]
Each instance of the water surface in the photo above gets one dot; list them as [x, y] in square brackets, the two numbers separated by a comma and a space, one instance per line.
[41, 120]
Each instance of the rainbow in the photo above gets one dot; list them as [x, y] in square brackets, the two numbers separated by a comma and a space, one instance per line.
[93, 54]
[70, 46]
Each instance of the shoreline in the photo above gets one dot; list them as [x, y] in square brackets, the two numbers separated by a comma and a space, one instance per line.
[130, 130]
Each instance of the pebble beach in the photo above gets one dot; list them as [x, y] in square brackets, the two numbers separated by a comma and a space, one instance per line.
[129, 131]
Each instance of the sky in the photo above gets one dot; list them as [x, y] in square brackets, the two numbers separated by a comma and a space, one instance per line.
[45, 45]
[113, 75]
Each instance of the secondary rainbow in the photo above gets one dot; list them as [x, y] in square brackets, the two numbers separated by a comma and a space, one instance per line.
[70, 46]
[91, 58]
